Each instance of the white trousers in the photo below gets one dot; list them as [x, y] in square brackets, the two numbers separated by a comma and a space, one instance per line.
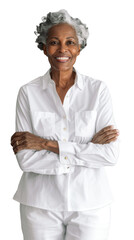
[41, 224]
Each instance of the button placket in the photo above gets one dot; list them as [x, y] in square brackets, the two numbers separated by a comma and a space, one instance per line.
[64, 128]
[64, 134]
[64, 125]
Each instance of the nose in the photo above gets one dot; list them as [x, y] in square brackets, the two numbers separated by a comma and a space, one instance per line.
[62, 48]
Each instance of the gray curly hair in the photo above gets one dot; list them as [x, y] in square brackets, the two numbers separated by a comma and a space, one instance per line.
[54, 18]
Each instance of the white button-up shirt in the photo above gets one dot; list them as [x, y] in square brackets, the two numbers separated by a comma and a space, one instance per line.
[75, 179]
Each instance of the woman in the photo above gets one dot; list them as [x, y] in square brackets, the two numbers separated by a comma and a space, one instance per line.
[65, 136]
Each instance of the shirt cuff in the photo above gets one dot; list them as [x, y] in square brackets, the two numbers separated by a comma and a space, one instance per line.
[65, 149]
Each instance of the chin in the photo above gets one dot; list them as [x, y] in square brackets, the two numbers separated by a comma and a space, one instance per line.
[62, 68]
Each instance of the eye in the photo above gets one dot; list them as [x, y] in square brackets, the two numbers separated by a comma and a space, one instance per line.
[70, 42]
[53, 43]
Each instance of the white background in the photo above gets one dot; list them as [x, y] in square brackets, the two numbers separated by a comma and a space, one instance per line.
[109, 56]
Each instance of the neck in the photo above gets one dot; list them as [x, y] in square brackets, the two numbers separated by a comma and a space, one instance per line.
[63, 79]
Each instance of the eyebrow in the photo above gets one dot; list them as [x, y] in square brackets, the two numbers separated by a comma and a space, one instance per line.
[58, 38]
[70, 37]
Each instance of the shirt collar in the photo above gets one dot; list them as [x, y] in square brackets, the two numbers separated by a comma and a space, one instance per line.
[47, 79]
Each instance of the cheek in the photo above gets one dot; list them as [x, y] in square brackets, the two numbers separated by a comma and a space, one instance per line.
[50, 51]
[75, 52]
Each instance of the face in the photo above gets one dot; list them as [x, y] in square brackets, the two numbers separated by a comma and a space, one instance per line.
[62, 47]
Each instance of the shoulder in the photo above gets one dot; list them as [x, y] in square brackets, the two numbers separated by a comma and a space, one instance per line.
[36, 82]
[91, 83]
[33, 85]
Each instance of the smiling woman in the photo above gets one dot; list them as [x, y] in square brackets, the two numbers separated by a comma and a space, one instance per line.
[62, 47]
[65, 136]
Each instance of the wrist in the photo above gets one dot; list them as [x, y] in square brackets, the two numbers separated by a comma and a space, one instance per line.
[44, 144]
[52, 145]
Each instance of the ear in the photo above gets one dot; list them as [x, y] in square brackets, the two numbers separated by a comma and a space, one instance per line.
[45, 49]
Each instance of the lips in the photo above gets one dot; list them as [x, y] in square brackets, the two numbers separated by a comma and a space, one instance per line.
[62, 59]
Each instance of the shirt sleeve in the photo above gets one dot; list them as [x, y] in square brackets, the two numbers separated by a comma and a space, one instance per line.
[94, 155]
[43, 161]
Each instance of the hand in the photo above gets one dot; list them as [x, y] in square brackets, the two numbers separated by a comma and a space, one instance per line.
[27, 140]
[105, 135]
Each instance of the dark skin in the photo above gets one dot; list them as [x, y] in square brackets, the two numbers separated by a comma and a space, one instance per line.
[28, 140]
[62, 49]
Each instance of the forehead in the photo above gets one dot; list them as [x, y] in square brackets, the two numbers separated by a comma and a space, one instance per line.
[62, 29]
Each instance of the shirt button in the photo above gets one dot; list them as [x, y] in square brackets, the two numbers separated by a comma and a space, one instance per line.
[65, 157]
[64, 140]
[64, 116]
[65, 129]
[67, 167]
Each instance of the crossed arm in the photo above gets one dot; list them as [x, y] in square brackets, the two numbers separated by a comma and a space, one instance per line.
[45, 156]
[27, 140]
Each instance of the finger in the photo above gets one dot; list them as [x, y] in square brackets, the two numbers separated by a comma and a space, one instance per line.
[20, 146]
[17, 139]
[14, 140]
[107, 134]
[17, 134]
[105, 129]
[111, 136]
[111, 140]
[19, 143]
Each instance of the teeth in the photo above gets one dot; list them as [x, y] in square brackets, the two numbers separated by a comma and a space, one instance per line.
[62, 58]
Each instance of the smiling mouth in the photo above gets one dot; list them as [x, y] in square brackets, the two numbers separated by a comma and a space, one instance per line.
[62, 59]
